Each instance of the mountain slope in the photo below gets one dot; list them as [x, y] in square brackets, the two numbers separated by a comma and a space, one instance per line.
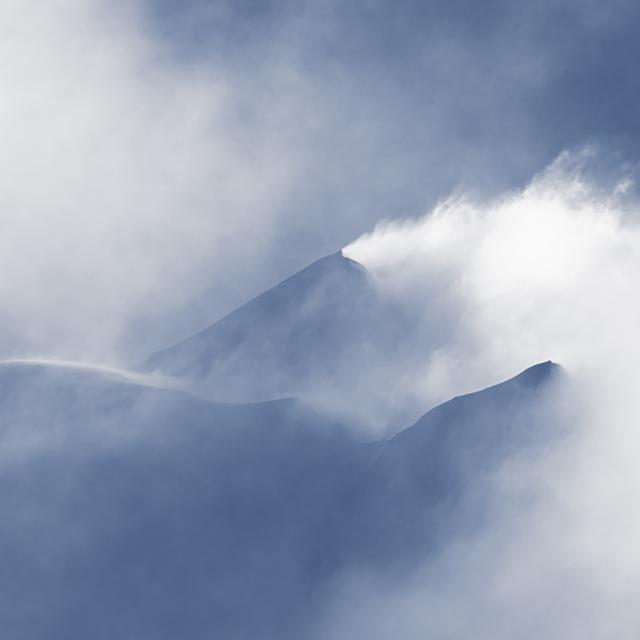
[134, 512]
[284, 342]
[434, 478]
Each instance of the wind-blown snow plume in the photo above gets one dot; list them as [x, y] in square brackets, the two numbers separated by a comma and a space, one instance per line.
[548, 271]
[536, 273]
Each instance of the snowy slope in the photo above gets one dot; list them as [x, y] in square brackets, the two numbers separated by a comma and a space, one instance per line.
[287, 341]
[134, 512]
[433, 480]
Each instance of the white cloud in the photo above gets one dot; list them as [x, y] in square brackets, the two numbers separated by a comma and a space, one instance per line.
[532, 275]
[546, 272]
[123, 175]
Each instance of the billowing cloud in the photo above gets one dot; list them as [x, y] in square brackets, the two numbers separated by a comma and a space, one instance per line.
[123, 177]
[548, 271]
[533, 274]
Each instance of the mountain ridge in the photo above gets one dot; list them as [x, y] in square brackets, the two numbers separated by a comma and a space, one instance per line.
[220, 507]
[331, 261]
[287, 341]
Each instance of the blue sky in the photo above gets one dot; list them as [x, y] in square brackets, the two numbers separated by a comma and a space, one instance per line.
[566, 67]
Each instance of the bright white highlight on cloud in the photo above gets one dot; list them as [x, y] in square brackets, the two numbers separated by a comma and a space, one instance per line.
[547, 272]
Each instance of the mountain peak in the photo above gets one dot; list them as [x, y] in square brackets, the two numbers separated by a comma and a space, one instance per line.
[538, 373]
[333, 263]
[519, 389]
[266, 347]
